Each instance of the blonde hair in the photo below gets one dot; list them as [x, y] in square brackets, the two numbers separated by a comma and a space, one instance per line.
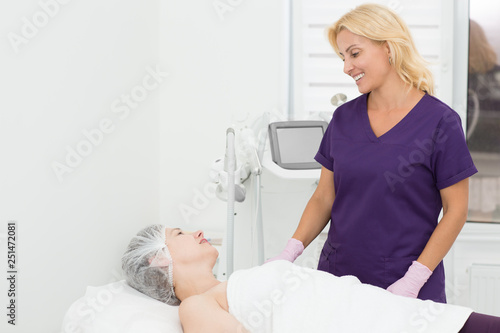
[482, 57]
[380, 24]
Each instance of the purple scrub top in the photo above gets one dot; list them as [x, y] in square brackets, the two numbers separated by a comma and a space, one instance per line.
[387, 198]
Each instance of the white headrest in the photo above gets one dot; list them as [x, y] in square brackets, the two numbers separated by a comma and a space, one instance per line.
[118, 308]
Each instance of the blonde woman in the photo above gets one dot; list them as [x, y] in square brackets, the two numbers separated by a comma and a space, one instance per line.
[392, 159]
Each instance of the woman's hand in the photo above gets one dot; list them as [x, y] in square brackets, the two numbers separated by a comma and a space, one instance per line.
[414, 279]
[293, 249]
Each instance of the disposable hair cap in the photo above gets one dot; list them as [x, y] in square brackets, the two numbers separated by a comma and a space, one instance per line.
[148, 265]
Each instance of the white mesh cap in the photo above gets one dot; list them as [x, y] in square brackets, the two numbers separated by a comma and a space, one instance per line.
[148, 265]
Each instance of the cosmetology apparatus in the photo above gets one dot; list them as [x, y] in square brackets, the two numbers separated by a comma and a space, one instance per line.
[290, 155]
[295, 143]
[229, 177]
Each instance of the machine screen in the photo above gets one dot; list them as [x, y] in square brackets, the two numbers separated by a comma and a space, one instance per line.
[295, 143]
[299, 145]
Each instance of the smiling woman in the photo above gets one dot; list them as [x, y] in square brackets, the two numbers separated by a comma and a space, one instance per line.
[392, 159]
[378, 25]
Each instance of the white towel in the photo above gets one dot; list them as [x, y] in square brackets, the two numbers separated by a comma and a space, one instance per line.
[281, 297]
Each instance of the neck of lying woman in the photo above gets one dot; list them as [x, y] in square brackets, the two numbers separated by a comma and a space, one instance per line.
[188, 283]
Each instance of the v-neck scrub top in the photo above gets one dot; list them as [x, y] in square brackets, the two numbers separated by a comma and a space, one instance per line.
[387, 198]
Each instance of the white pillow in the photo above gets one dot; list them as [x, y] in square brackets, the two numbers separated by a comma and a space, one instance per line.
[119, 308]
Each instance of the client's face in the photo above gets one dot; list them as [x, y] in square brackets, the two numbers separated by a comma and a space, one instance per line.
[189, 246]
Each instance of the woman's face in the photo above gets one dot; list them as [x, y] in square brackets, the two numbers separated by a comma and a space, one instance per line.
[366, 62]
[188, 246]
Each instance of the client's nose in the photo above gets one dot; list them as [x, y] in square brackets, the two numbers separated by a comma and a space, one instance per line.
[198, 234]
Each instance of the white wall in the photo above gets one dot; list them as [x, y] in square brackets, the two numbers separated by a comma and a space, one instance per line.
[66, 75]
[227, 65]
[477, 244]
[63, 80]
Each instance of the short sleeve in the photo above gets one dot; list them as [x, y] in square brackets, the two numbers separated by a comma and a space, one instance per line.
[324, 156]
[452, 161]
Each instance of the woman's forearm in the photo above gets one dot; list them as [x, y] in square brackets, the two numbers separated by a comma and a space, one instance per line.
[441, 240]
[317, 212]
[455, 208]
[314, 219]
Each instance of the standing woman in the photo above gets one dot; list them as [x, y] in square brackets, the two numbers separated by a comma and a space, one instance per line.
[392, 159]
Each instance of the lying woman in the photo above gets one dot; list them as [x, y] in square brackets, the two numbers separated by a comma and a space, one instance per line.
[175, 267]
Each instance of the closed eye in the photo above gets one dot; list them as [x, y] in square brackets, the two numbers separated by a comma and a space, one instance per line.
[177, 232]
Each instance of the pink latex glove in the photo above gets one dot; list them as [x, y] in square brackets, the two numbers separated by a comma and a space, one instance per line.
[293, 249]
[414, 279]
